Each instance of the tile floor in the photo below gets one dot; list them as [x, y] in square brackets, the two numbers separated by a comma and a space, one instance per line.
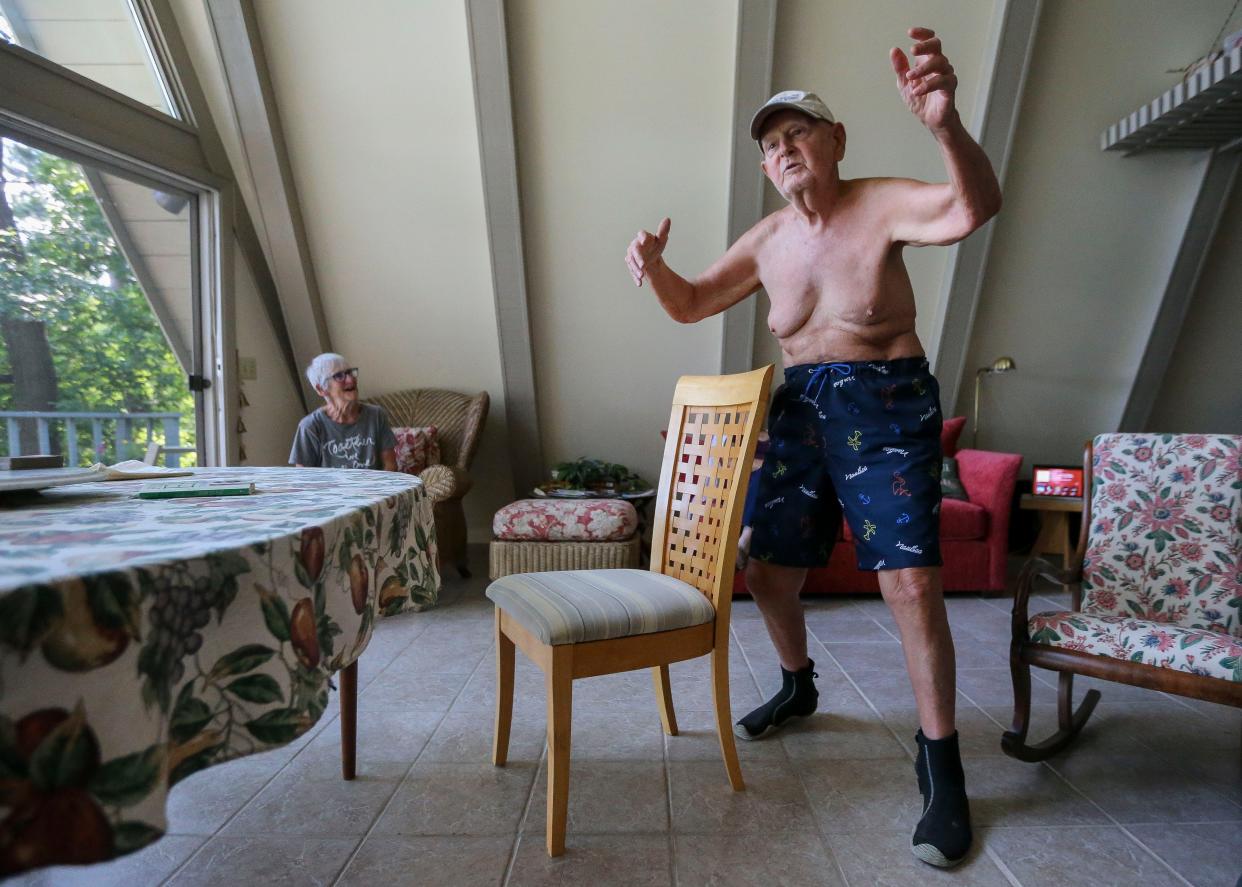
[1151, 795]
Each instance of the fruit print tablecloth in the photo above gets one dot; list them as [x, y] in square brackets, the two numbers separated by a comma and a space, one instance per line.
[143, 640]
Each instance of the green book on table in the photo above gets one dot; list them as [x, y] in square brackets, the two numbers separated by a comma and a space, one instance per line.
[177, 489]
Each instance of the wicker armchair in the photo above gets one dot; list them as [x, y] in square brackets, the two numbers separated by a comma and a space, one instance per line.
[459, 419]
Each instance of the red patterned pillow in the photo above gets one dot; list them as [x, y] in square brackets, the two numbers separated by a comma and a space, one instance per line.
[416, 448]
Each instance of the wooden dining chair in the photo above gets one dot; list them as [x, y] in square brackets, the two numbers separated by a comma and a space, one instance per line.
[583, 623]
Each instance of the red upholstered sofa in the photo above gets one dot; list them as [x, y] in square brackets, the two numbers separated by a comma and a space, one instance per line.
[973, 534]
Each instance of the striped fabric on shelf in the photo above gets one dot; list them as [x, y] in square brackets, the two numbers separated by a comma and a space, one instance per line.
[572, 606]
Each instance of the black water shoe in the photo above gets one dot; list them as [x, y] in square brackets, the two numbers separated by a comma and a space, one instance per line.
[797, 698]
[942, 837]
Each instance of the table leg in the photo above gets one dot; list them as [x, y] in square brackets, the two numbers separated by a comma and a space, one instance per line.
[1054, 536]
[349, 719]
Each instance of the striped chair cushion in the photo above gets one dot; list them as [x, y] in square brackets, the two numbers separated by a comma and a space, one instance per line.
[572, 606]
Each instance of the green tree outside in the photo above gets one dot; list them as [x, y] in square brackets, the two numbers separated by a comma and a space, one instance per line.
[59, 264]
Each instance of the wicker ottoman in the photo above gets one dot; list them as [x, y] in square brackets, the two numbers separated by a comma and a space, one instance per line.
[533, 535]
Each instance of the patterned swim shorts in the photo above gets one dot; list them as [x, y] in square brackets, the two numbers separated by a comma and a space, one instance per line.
[856, 439]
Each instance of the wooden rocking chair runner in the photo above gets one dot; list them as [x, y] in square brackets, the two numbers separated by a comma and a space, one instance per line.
[1159, 560]
[582, 623]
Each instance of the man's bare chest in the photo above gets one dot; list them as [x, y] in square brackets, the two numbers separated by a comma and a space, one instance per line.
[841, 267]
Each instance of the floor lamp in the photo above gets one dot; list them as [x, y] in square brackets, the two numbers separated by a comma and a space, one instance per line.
[1000, 365]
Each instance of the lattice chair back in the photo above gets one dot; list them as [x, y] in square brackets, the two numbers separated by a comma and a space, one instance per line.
[713, 430]
[458, 418]
[1165, 536]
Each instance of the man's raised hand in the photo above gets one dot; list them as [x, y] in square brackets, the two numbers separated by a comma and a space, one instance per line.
[928, 87]
[645, 249]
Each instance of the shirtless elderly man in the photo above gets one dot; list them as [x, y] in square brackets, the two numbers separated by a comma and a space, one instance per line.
[855, 429]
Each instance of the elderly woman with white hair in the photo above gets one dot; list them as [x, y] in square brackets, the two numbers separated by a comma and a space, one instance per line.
[344, 432]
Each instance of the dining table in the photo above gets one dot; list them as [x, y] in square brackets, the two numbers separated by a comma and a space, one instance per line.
[143, 640]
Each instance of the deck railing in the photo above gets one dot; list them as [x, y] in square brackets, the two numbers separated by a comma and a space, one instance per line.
[114, 432]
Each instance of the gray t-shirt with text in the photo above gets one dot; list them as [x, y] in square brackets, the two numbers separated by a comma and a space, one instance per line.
[323, 443]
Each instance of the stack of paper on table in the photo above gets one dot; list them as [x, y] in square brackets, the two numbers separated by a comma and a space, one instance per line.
[132, 469]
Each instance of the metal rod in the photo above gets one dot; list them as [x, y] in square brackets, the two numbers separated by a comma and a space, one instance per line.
[172, 443]
[71, 440]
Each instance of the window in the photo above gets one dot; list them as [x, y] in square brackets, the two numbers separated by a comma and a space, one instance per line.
[98, 332]
[115, 281]
[99, 39]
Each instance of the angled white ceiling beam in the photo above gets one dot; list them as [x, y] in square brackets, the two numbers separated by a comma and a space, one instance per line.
[489, 63]
[1008, 58]
[1220, 174]
[752, 84]
[278, 216]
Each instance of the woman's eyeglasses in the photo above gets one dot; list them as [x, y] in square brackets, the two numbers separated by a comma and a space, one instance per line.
[345, 374]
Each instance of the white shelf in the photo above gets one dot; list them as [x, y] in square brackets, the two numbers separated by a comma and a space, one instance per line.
[1202, 112]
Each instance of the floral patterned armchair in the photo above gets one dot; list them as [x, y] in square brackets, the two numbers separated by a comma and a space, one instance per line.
[1160, 565]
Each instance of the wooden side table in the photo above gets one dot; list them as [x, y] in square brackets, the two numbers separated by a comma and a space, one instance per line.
[1054, 529]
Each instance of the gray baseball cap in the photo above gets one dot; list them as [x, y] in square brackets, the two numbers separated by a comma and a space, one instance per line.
[790, 100]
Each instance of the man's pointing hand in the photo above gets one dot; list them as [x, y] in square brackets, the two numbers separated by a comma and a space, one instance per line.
[645, 250]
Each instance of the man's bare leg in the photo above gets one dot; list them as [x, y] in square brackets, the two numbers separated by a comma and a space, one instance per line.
[915, 596]
[776, 589]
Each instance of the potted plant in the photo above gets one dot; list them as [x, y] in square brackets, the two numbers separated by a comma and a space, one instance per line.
[597, 476]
